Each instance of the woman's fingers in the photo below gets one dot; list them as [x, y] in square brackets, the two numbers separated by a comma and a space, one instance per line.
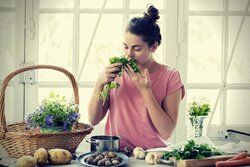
[128, 71]
[112, 75]
[114, 65]
[113, 69]
[146, 75]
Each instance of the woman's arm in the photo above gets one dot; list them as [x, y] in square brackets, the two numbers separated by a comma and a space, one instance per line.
[164, 118]
[96, 109]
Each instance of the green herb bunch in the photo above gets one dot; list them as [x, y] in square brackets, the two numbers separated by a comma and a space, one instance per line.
[192, 151]
[124, 61]
[199, 109]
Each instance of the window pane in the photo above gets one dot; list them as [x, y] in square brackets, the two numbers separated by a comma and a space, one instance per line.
[204, 50]
[98, 4]
[7, 3]
[55, 3]
[107, 42]
[7, 27]
[238, 107]
[9, 104]
[55, 44]
[238, 5]
[141, 4]
[85, 95]
[239, 71]
[210, 95]
[158, 55]
[206, 5]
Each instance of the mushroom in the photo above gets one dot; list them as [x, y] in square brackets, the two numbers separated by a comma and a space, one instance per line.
[139, 153]
[153, 158]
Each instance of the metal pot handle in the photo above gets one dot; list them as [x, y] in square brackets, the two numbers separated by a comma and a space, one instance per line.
[92, 142]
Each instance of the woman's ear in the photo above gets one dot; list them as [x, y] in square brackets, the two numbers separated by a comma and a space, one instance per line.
[154, 47]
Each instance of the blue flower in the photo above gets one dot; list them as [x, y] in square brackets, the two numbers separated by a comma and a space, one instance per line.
[49, 120]
[65, 126]
[74, 116]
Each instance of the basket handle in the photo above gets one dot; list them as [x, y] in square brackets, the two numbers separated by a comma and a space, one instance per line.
[3, 127]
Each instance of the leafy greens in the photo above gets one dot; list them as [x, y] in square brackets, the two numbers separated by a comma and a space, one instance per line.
[192, 151]
[111, 85]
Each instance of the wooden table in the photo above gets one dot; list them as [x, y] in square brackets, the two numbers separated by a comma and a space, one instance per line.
[11, 162]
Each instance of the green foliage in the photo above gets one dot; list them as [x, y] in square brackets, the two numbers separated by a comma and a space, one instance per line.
[54, 111]
[196, 109]
[105, 92]
[192, 151]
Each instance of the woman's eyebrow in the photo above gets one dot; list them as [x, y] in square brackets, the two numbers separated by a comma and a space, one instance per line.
[133, 45]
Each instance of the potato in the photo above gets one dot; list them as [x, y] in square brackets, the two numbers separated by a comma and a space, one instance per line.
[59, 156]
[26, 161]
[41, 156]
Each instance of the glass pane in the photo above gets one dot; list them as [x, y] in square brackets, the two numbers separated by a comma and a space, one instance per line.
[238, 107]
[55, 44]
[239, 71]
[206, 5]
[210, 95]
[238, 5]
[142, 4]
[97, 4]
[159, 52]
[7, 27]
[7, 3]
[85, 95]
[107, 42]
[204, 49]
[55, 3]
[9, 104]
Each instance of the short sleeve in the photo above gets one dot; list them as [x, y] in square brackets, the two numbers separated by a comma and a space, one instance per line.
[175, 83]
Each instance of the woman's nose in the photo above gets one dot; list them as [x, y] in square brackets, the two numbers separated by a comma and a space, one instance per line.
[130, 53]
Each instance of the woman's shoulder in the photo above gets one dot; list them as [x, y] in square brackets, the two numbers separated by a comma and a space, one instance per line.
[168, 70]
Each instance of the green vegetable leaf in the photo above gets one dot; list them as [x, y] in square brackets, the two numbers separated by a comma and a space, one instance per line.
[105, 92]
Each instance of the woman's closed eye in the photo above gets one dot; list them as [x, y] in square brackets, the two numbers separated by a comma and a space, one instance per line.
[137, 49]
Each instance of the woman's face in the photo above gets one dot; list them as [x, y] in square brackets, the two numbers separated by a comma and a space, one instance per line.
[137, 49]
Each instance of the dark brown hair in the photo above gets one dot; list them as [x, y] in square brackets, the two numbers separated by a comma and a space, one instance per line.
[146, 26]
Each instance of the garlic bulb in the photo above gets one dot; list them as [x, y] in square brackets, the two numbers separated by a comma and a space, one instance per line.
[139, 153]
[153, 158]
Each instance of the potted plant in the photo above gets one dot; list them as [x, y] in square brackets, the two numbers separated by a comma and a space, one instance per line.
[197, 113]
[54, 114]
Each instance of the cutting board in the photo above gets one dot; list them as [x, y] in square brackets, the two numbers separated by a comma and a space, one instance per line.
[202, 162]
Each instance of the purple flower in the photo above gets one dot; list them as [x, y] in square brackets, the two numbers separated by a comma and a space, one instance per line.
[49, 120]
[74, 116]
[65, 126]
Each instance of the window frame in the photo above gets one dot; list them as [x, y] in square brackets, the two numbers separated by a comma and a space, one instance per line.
[216, 131]
[169, 12]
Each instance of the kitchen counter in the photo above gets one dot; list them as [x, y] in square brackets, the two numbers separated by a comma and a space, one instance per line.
[11, 162]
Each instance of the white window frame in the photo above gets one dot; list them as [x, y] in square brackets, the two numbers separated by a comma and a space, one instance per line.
[169, 34]
[18, 59]
[216, 131]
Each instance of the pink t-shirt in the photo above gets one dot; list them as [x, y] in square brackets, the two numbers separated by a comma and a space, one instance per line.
[128, 116]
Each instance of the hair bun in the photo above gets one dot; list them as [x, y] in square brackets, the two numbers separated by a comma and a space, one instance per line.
[152, 13]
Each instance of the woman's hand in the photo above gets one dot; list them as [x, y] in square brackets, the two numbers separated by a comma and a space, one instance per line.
[141, 81]
[109, 74]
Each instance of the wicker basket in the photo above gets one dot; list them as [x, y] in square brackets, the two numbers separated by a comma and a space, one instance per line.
[18, 141]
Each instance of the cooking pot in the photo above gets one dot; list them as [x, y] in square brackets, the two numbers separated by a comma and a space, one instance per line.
[104, 143]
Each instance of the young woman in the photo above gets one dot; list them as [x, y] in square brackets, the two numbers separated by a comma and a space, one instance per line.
[144, 109]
